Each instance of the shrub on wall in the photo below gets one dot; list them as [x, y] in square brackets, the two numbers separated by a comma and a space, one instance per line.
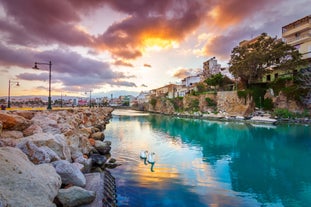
[177, 103]
[153, 102]
[194, 105]
[268, 104]
[210, 102]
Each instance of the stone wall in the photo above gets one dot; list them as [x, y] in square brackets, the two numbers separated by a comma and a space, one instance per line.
[229, 102]
[226, 101]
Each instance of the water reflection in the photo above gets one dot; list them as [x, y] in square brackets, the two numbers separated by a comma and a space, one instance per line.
[202, 163]
[264, 161]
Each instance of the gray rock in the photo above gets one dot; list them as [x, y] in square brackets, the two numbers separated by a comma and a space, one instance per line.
[12, 134]
[95, 182]
[87, 163]
[55, 142]
[34, 153]
[24, 184]
[75, 196]
[98, 136]
[102, 147]
[52, 155]
[98, 159]
[69, 173]
[32, 129]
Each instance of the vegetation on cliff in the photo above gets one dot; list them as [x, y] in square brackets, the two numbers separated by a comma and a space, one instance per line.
[251, 61]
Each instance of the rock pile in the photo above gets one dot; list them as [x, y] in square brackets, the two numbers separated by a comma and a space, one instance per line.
[44, 155]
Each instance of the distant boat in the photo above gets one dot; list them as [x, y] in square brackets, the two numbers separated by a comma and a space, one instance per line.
[260, 119]
[143, 154]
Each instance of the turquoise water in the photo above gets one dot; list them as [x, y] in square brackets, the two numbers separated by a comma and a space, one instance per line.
[205, 163]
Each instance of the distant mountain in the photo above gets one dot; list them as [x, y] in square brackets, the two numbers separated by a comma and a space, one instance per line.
[108, 94]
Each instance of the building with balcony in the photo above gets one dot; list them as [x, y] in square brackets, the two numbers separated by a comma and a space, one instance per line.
[191, 80]
[211, 67]
[165, 91]
[298, 34]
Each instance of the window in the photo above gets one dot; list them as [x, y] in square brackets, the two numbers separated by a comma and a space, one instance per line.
[268, 77]
[276, 76]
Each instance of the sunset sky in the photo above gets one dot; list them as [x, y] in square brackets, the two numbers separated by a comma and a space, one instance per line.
[105, 46]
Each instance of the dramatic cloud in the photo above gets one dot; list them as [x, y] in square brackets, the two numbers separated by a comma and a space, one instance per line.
[231, 12]
[183, 73]
[222, 45]
[42, 22]
[68, 67]
[150, 24]
[93, 38]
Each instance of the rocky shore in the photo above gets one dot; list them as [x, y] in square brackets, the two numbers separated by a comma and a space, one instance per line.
[50, 158]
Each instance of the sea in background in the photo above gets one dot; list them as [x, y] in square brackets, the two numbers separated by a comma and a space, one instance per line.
[209, 163]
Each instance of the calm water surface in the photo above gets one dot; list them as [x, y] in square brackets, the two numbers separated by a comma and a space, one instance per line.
[205, 163]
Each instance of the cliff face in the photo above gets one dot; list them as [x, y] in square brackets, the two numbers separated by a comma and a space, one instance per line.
[282, 102]
[227, 101]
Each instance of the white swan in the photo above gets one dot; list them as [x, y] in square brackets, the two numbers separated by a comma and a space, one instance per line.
[143, 154]
[151, 158]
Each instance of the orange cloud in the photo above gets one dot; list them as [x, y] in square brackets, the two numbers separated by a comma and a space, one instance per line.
[141, 31]
[123, 63]
[227, 13]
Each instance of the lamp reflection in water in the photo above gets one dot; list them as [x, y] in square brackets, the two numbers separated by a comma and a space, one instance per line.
[9, 91]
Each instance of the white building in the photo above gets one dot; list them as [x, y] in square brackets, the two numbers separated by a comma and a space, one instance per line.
[190, 80]
[143, 97]
[211, 67]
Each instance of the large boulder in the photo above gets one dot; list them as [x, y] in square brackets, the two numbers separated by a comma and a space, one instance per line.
[14, 122]
[24, 184]
[47, 122]
[56, 142]
[69, 173]
[37, 155]
[102, 147]
[11, 134]
[75, 196]
[32, 129]
[98, 136]
[26, 114]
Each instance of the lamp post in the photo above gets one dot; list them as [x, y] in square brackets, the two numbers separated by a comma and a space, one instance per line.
[50, 69]
[90, 97]
[9, 92]
[61, 99]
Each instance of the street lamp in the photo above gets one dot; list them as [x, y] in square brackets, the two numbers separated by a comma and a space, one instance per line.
[61, 99]
[9, 92]
[50, 69]
[90, 96]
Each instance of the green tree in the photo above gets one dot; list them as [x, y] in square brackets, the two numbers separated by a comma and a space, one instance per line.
[153, 102]
[201, 87]
[251, 61]
[215, 80]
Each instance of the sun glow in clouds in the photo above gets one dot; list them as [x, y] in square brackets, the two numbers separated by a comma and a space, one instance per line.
[158, 44]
